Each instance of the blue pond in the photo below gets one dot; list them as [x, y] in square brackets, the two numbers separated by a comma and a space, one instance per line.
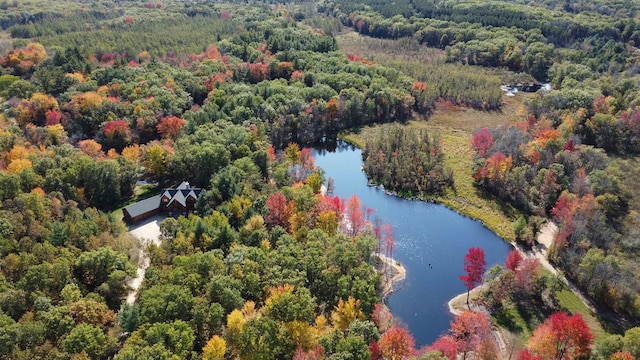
[430, 241]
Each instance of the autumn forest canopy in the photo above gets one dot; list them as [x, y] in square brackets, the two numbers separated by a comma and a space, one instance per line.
[108, 102]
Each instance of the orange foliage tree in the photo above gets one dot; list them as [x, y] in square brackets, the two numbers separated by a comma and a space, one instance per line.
[355, 216]
[170, 126]
[396, 343]
[24, 59]
[91, 148]
[561, 337]
[621, 355]
[470, 331]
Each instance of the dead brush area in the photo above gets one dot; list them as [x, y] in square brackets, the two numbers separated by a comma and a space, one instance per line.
[447, 114]
[385, 51]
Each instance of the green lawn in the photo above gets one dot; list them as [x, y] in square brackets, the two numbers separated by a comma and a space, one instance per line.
[512, 319]
[570, 302]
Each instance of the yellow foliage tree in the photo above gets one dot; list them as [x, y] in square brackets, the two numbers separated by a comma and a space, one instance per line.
[19, 165]
[302, 334]
[235, 324]
[249, 309]
[321, 325]
[238, 206]
[77, 76]
[277, 292]
[215, 349]
[292, 152]
[86, 101]
[315, 182]
[327, 221]
[155, 159]
[112, 154]
[56, 134]
[183, 244]
[18, 152]
[346, 312]
[297, 221]
[132, 153]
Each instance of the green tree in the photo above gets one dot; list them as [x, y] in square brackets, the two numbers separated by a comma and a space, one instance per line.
[8, 334]
[129, 317]
[177, 336]
[259, 340]
[88, 338]
[162, 303]
[631, 341]
[104, 270]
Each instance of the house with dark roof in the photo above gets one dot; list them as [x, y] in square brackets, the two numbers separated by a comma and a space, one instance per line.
[177, 201]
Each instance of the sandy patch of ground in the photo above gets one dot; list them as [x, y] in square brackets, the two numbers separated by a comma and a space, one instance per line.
[547, 234]
[392, 273]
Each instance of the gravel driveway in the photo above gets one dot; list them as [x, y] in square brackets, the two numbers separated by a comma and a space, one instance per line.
[146, 231]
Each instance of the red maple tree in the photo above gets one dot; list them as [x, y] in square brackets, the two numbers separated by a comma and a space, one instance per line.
[481, 141]
[526, 355]
[446, 345]
[374, 350]
[514, 259]
[469, 330]
[278, 210]
[474, 266]
[382, 317]
[527, 275]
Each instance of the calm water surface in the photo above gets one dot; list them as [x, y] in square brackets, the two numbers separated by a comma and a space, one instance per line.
[430, 241]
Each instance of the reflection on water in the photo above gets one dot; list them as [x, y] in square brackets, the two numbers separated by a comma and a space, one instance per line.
[430, 241]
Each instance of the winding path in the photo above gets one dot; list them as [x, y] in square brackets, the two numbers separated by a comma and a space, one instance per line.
[147, 232]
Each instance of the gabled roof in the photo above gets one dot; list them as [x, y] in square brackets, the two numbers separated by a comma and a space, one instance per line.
[181, 194]
[184, 185]
[143, 206]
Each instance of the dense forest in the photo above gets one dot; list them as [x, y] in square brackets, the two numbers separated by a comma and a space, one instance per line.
[109, 102]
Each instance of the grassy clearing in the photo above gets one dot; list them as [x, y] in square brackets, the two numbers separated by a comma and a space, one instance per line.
[571, 303]
[511, 319]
